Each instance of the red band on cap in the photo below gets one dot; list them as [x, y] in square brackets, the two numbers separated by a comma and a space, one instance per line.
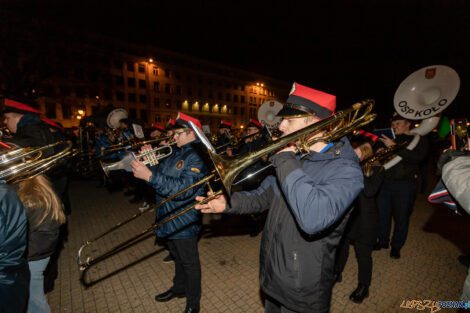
[48, 121]
[20, 106]
[222, 122]
[368, 135]
[253, 121]
[156, 126]
[187, 118]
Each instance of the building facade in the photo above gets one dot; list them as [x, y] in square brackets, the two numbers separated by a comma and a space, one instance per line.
[68, 75]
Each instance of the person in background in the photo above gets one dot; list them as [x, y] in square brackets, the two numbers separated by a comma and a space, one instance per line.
[156, 131]
[14, 272]
[148, 193]
[223, 137]
[126, 133]
[363, 223]
[44, 213]
[397, 196]
[253, 141]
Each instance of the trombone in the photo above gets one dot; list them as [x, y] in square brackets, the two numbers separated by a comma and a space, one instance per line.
[227, 168]
[31, 161]
[151, 158]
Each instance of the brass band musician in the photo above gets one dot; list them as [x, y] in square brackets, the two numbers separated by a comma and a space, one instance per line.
[308, 199]
[181, 169]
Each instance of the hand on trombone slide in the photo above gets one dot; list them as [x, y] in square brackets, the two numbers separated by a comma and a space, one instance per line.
[216, 205]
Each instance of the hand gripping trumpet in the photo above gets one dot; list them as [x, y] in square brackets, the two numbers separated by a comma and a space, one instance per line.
[150, 157]
[227, 168]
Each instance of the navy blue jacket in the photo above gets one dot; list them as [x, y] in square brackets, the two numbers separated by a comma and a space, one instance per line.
[14, 272]
[181, 169]
[307, 200]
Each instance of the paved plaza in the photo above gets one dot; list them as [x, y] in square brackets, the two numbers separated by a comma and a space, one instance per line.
[129, 281]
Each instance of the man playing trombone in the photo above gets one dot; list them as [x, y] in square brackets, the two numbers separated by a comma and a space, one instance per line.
[307, 200]
[181, 169]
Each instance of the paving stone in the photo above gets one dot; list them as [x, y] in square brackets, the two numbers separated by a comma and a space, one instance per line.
[129, 281]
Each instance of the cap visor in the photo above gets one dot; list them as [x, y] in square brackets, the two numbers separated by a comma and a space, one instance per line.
[286, 112]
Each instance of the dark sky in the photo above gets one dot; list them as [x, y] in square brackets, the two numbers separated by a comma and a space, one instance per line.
[354, 49]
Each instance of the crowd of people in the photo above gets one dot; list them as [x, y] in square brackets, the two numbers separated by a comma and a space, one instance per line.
[309, 212]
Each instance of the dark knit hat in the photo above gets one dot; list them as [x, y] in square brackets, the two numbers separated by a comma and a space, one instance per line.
[396, 117]
[304, 101]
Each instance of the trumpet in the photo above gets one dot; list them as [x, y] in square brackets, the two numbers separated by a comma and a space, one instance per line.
[234, 141]
[380, 157]
[127, 145]
[227, 169]
[150, 157]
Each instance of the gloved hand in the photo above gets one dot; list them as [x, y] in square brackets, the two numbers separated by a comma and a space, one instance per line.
[448, 156]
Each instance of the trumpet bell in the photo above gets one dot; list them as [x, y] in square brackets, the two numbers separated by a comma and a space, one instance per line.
[123, 164]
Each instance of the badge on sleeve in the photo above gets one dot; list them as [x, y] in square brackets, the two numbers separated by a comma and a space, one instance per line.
[179, 165]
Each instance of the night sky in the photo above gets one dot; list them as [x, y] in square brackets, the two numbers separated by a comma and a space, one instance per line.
[353, 49]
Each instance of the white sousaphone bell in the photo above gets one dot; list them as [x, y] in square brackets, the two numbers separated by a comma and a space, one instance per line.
[423, 95]
[267, 114]
[115, 116]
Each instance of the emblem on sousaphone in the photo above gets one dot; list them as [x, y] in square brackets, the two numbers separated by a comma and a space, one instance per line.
[430, 73]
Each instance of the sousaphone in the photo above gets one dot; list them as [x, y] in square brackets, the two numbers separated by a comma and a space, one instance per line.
[423, 95]
[267, 114]
[115, 116]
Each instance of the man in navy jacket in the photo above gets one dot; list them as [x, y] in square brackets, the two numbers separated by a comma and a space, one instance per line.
[307, 200]
[181, 169]
[14, 272]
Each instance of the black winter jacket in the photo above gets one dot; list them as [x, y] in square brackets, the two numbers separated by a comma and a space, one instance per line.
[42, 240]
[363, 224]
[408, 168]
